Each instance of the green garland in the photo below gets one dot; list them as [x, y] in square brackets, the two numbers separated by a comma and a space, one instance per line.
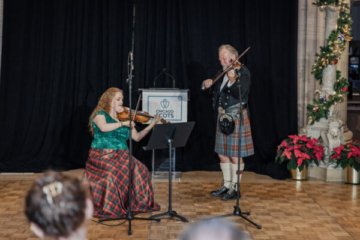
[330, 54]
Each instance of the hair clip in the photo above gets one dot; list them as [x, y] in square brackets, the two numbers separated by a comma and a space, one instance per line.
[52, 190]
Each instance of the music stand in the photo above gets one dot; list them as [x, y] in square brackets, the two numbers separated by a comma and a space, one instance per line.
[168, 136]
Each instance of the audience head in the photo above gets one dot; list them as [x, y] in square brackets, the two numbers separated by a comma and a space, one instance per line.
[58, 206]
[213, 230]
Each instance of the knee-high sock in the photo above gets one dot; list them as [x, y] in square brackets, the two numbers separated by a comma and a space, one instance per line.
[226, 170]
[234, 168]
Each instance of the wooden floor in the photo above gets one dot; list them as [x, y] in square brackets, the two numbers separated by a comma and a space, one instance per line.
[287, 209]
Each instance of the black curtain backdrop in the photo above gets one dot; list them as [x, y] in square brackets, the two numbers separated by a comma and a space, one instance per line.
[183, 37]
[60, 56]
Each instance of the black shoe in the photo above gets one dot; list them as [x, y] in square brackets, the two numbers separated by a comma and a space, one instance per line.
[220, 192]
[230, 195]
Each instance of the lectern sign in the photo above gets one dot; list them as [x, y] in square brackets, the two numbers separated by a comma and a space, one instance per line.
[170, 105]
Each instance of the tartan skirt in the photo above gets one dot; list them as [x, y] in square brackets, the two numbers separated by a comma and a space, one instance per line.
[106, 174]
[227, 145]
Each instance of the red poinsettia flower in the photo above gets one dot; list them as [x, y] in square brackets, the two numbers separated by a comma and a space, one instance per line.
[302, 158]
[305, 155]
[299, 161]
[339, 149]
[354, 151]
[318, 148]
[342, 155]
[318, 156]
[284, 144]
[297, 146]
[315, 140]
[335, 62]
[297, 153]
[344, 89]
[300, 150]
[287, 154]
[297, 138]
[310, 144]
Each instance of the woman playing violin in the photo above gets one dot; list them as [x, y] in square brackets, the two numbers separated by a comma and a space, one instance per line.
[107, 166]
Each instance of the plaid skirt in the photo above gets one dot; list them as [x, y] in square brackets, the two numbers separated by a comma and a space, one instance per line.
[106, 174]
[228, 145]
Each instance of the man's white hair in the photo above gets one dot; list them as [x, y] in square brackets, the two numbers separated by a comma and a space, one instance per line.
[230, 49]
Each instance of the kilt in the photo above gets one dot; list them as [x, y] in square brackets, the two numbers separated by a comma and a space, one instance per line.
[106, 174]
[228, 144]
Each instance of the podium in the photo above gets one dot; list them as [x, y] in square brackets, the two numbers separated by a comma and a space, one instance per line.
[171, 104]
[169, 136]
[168, 103]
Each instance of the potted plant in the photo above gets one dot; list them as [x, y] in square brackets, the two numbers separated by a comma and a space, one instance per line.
[348, 157]
[299, 151]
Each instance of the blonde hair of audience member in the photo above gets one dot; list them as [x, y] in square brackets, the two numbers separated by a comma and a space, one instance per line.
[213, 230]
[58, 207]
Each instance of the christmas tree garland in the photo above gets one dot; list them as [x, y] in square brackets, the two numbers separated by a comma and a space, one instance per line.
[330, 54]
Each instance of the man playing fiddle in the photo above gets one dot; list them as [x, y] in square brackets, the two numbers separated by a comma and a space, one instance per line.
[226, 100]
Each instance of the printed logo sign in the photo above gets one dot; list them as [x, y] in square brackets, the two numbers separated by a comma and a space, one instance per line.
[170, 105]
[164, 103]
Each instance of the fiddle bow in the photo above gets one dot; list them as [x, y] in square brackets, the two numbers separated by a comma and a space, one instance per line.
[228, 68]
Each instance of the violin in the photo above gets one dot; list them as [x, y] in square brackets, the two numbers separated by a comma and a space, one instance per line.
[141, 117]
[236, 65]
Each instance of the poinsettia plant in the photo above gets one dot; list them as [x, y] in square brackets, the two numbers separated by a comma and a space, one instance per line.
[347, 155]
[299, 151]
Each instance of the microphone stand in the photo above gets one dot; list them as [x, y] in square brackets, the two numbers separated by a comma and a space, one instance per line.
[237, 210]
[171, 78]
[163, 71]
[130, 216]
[167, 74]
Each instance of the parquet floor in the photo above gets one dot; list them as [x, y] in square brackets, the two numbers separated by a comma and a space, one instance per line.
[287, 209]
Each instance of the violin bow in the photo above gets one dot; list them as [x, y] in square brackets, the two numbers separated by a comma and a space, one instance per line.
[137, 107]
[230, 66]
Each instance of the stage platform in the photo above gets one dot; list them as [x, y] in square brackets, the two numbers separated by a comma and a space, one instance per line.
[288, 209]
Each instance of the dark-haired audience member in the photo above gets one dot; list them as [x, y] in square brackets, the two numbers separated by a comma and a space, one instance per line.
[58, 207]
[213, 230]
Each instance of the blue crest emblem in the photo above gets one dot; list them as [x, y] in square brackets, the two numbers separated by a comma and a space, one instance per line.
[164, 104]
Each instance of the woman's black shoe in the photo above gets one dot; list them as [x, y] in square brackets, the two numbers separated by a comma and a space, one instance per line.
[220, 192]
[230, 195]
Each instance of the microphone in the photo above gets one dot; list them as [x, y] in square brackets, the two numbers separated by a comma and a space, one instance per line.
[163, 71]
[130, 63]
[131, 60]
